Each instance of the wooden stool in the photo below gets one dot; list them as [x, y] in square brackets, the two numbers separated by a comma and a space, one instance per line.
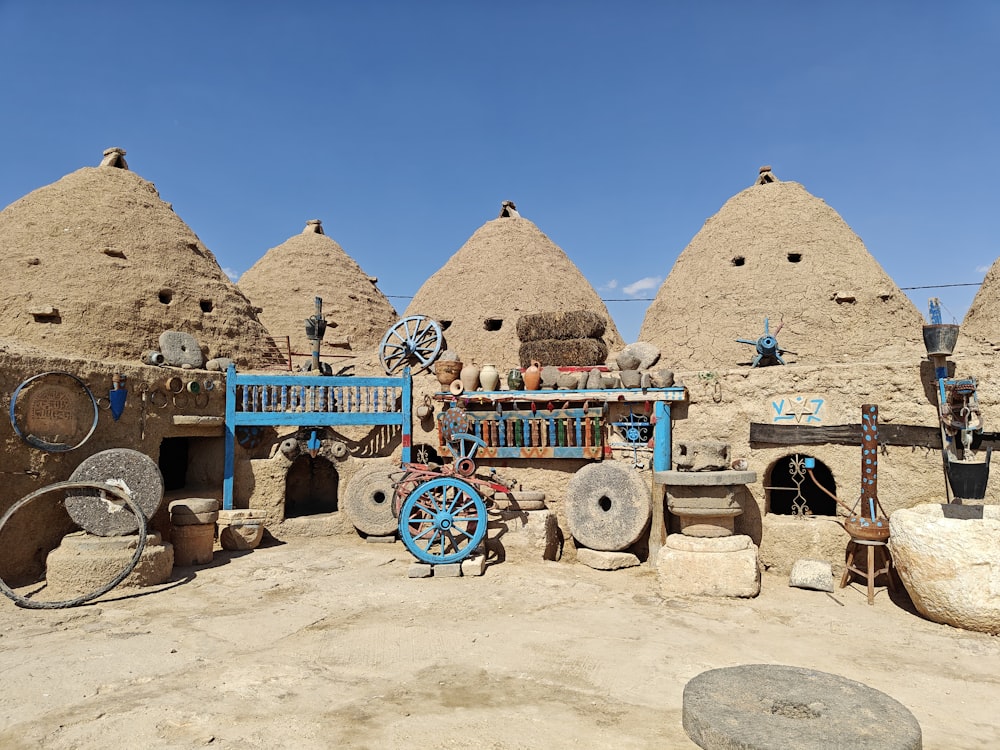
[870, 573]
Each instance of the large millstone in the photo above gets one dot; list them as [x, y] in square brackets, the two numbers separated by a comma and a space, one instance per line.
[948, 557]
[608, 506]
[137, 471]
[774, 707]
[368, 500]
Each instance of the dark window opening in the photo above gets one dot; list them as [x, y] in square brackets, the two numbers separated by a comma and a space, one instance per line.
[173, 463]
[794, 257]
[166, 296]
[206, 305]
[310, 487]
[492, 324]
[792, 492]
[739, 260]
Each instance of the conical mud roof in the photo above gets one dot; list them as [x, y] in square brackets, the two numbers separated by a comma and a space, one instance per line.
[980, 331]
[96, 265]
[284, 283]
[775, 251]
[504, 270]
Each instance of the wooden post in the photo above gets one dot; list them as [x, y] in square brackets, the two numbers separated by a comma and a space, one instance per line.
[316, 341]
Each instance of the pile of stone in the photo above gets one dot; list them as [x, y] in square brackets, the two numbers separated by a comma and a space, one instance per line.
[706, 558]
[635, 367]
[86, 560]
[193, 521]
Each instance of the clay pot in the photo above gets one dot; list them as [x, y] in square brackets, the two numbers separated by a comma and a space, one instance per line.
[533, 376]
[515, 381]
[470, 377]
[447, 370]
[489, 377]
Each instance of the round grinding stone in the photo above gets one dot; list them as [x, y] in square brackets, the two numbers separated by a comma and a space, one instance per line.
[608, 506]
[179, 348]
[368, 501]
[137, 471]
[774, 707]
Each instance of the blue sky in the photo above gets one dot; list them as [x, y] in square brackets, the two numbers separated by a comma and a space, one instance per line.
[618, 128]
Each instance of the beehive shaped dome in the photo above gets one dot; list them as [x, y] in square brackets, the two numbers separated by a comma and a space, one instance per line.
[980, 331]
[506, 269]
[775, 252]
[285, 281]
[97, 266]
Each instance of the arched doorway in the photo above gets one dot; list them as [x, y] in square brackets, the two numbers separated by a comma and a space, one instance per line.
[792, 492]
[310, 487]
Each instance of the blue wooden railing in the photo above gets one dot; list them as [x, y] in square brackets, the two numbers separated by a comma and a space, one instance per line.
[312, 401]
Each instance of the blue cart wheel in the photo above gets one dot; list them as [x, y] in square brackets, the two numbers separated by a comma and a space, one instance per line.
[414, 341]
[463, 447]
[442, 521]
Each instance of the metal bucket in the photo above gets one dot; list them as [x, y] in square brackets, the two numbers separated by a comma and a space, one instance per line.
[968, 480]
[940, 338]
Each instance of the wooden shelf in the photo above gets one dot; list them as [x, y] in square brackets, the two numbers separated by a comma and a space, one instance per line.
[610, 395]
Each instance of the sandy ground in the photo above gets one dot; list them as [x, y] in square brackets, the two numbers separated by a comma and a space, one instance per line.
[325, 642]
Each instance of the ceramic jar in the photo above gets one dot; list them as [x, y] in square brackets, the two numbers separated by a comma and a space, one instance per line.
[515, 381]
[447, 370]
[489, 377]
[470, 377]
[533, 376]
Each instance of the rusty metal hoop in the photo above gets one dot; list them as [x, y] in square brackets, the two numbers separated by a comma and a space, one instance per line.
[37, 442]
[110, 489]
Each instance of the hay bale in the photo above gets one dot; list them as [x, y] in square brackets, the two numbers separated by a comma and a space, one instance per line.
[564, 352]
[574, 324]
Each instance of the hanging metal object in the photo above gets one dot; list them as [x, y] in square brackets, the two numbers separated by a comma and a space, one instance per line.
[768, 350]
[50, 415]
[117, 396]
[636, 431]
[313, 444]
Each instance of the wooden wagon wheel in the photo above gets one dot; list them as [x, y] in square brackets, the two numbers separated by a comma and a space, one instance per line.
[442, 521]
[463, 447]
[414, 340]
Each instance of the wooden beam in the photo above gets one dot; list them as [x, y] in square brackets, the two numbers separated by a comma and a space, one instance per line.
[844, 434]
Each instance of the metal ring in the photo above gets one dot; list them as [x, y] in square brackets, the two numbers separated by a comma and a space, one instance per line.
[209, 385]
[38, 442]
[200, 405]
[104, 402]
[180, 400]
[111, 489]
[152, 398]
[174, 384]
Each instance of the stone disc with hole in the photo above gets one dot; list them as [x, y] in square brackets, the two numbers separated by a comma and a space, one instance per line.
[136, 470]
[368, 500]
[608, 506]
[179, 348]
[775, 707]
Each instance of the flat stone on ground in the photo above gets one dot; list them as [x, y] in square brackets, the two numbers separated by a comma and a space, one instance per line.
[599, 560]
[776, 707]
[812, 574]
